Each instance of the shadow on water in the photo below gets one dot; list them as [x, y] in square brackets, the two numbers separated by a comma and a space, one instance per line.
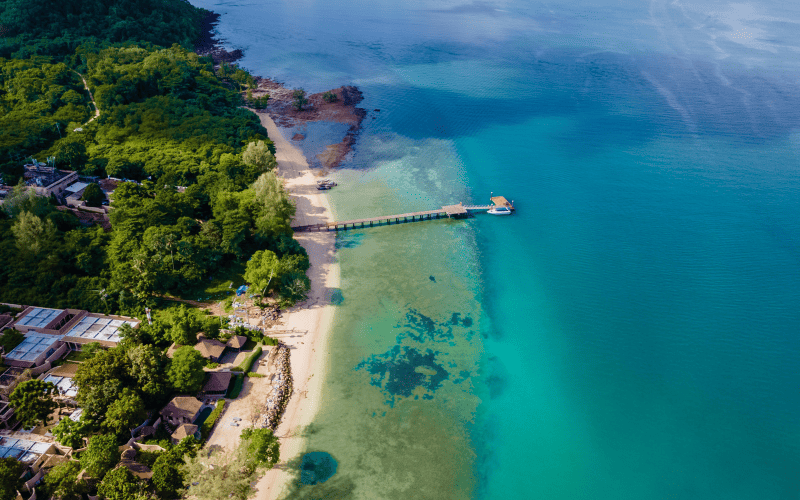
[314, 477]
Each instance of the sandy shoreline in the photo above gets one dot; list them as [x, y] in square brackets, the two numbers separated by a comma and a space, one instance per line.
[313, 319]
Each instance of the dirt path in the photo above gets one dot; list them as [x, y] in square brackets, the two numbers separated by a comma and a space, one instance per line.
[91, 96]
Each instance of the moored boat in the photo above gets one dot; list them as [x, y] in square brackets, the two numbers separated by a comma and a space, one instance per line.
[499, 211]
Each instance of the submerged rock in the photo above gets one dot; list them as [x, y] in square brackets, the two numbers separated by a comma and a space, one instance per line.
[317, 467]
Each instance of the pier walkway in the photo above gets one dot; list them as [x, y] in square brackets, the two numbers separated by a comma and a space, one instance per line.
[459, 211]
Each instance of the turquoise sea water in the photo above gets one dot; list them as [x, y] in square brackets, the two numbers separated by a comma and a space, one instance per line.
[632, 332]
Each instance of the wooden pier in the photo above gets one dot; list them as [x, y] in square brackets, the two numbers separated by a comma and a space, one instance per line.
[459, 211]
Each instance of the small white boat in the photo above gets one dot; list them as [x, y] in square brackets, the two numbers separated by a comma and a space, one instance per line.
[499, 211]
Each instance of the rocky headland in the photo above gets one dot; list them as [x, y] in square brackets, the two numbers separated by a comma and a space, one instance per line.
[280, 107]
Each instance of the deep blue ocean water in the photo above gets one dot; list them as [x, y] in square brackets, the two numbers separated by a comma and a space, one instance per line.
[632, 332]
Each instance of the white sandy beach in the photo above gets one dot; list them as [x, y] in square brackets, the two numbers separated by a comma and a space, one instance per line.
[311, 320]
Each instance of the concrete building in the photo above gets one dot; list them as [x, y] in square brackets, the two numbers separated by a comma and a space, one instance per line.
[210, 349]
[51, 333]
[236, 342]
[184, 431]
[216, 385]
[48, 180]
[181, 410]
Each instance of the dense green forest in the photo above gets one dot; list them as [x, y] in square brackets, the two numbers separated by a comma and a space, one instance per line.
[58, 27]
[204, 197]
[198, 200]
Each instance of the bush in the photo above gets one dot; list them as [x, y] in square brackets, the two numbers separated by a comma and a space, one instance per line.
[212, 419]
[300, 99]
[329, 97]
[269, 340]
[236, 387]
[10, 340]
[8, 309]
[249, 360]
[147, 458]
[93, 195]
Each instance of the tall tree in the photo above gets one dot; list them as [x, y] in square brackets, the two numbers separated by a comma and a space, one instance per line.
[274, 209]
[258, 155]
[168, 474]
[300, 99]
[125, 413]
[185, 325]
[100, 456]
[186, 370]
[32, 233]
[10, 472]
[93, 195]
[148, 367]
[119, 484]
[260, 448]
[62, 482]
[33, 402]
[262, 271]
[101, 379]
[71, 433]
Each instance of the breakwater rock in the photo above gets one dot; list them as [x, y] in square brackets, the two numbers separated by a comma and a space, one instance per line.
[281, 388]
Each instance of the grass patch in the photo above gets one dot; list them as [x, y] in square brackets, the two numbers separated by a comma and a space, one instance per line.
[235, 387]
[249, 360]
[254, 375]
[147, 458]
[212, 419]
[212, 365]
[270, 340]
[218, 287]
[79, 356]
[227, 305]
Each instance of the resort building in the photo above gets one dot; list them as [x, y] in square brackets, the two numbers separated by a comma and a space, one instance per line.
[25, 450]
[48, 180]
[216, 385]
[50, 333]
[181, 410]
[184, 430]
[61, 377]
[210, 349]
[236, 342]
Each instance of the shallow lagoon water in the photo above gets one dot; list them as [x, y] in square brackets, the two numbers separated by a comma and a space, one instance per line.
[632, 331]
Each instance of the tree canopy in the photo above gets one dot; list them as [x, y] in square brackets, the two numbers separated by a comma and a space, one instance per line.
[125, 413]
[71, 433]
[93, 195]
[119, 484]
[62, 482]
[168, 474]
[58, 27]
[261, 448]
[100, 456]
[186, 370]
[33, 402]
[10, 472]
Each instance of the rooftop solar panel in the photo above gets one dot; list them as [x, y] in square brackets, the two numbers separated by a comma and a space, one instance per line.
[32, 346]
[39, 317]
[94, 328]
